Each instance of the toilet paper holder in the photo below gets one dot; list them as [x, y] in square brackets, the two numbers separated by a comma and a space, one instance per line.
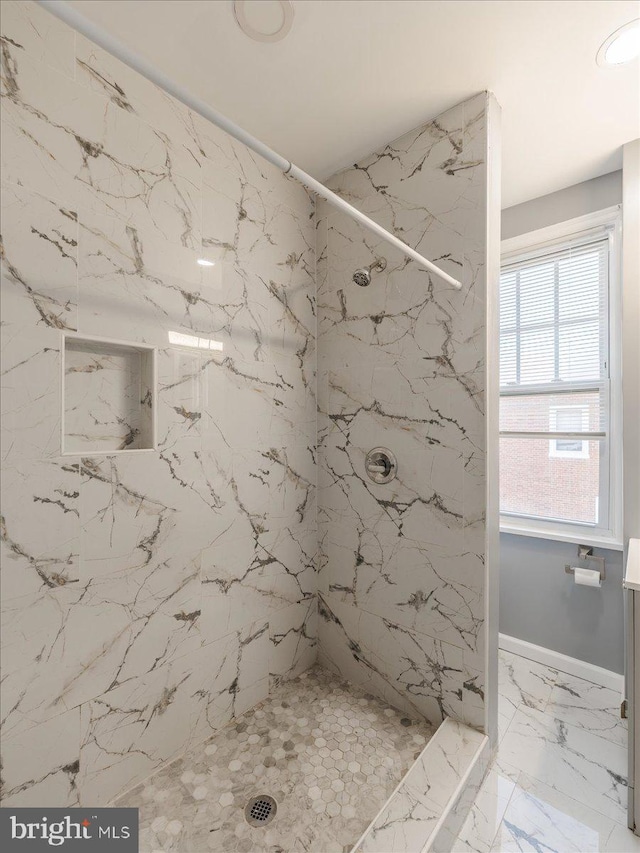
[586, 553]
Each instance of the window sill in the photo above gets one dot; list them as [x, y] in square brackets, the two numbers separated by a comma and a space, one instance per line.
[579, 538]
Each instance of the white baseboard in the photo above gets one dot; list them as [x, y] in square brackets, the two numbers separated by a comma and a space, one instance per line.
[572, 666]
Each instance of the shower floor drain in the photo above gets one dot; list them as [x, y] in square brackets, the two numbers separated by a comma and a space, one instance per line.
[261, 810]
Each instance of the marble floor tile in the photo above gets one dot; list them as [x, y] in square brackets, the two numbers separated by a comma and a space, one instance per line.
[588, 706]
[540, 818]
[558, 782]
[622, 840]
[521, 682]
[524, 682]
[569, 759]
[486, 814]
[506, 713]
[329, 754]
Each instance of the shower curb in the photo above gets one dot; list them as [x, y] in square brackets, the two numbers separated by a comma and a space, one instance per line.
[426, 811]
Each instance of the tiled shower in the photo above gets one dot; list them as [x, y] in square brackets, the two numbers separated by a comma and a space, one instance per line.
[401, 363]
[190, 383]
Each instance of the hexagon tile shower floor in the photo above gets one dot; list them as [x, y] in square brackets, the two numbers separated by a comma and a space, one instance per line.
[328, 753]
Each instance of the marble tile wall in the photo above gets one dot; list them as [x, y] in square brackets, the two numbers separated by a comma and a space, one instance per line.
[402, 365]
[148, 597]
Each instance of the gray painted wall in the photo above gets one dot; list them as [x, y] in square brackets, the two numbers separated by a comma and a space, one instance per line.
[538, 602]
[577, 200]
[541, 604]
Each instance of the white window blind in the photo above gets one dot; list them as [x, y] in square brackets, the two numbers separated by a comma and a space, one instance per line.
[554, 385]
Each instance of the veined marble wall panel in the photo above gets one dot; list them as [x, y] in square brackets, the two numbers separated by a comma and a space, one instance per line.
[402, 365]
[148, 597]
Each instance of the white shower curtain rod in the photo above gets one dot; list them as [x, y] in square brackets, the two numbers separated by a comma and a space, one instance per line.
[112, 45]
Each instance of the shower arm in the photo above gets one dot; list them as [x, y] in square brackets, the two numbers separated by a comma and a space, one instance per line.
[115, 47]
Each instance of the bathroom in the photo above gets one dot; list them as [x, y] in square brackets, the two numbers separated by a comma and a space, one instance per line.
[320, 391]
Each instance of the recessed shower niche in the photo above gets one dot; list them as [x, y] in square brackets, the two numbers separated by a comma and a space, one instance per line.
[108, 396]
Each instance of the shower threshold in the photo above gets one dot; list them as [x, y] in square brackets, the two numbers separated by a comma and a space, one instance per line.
[326, 752]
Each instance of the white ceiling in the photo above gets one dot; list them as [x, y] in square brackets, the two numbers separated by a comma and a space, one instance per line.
[355, 74]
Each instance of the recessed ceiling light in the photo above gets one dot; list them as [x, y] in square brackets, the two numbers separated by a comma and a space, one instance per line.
[622, 46]
[264, 20]
[205, 263]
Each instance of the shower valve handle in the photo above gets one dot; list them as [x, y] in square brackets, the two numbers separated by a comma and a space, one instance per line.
[380, 465]
[377, 468]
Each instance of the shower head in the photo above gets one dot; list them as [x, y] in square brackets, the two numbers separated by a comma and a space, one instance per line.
[362, 277]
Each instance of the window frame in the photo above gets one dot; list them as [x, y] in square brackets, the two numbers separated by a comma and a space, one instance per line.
[604, 223]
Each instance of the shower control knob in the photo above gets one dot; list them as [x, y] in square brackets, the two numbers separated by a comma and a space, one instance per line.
[381, 465]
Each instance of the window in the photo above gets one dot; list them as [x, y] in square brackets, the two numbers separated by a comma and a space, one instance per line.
[569, 419]
[559, 383]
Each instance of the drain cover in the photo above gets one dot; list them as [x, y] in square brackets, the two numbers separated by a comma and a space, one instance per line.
[260, 810]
